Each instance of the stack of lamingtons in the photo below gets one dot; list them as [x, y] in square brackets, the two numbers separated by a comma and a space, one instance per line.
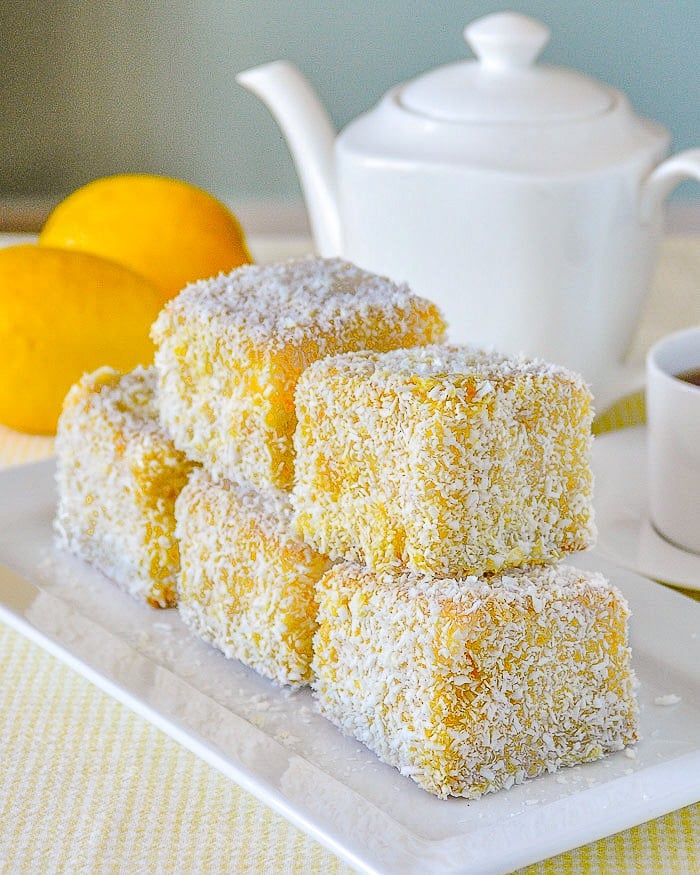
[334, 497]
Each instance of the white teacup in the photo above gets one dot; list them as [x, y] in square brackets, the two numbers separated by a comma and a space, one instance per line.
[673, 427]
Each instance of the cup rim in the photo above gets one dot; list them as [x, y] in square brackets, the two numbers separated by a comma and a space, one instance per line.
[684, 345]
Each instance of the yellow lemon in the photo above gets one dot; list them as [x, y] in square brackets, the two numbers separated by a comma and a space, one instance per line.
[64, 313]
[168, 230]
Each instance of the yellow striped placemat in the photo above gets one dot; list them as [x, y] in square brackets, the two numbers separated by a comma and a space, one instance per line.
[17, 448]
[628, 411]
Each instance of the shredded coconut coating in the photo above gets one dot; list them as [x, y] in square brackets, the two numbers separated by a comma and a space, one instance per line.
[230, 350]
[118, 475]
[443, 459]
[472, 686]
[247, 583]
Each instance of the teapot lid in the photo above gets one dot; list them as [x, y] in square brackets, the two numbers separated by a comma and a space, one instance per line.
[505, 84]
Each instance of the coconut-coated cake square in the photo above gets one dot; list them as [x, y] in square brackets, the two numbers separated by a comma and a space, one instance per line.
[229, 351]
[443, 459]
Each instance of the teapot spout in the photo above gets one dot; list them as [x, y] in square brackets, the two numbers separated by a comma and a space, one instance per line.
[310, 136]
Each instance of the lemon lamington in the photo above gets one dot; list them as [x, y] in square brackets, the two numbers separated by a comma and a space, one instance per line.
[247, 583]
[230, 350]
[118, 475]
[443, 459]
[472, 686]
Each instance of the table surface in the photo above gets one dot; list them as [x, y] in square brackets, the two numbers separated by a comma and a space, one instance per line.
[90, 786]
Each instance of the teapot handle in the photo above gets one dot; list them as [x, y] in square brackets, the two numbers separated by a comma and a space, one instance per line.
[661, 181]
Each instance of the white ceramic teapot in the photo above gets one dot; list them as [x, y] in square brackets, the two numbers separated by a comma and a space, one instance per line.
[525, 200]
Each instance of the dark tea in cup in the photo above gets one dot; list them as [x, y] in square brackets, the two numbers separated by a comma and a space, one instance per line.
[691, 375]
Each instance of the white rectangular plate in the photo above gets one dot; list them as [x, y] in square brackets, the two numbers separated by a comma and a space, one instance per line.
[273, 742]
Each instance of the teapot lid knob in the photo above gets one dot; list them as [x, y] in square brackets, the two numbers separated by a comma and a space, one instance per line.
[506, 40]
[504, 84]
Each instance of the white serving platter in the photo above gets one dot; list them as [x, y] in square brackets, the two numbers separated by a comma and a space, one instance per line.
[274, 744]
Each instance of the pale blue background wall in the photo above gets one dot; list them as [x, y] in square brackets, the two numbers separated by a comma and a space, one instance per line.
[89, 88]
